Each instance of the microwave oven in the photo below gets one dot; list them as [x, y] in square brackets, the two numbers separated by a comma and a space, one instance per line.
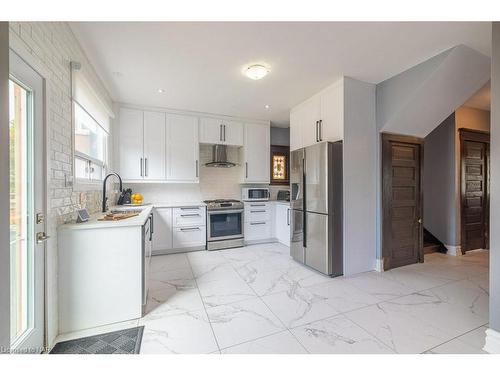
[254, 194]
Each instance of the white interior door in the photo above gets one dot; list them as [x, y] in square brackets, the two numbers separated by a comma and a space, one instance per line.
[27, 206]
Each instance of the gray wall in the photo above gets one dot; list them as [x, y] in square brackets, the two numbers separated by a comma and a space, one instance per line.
[440, 211]
[4, 187]
[360, 176]
[495, 182]
[280, 136]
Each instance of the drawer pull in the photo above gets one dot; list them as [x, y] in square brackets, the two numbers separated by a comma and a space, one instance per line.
[258, 205]
[258, 223]
[189, 208]
[190, 215]
[258, 211]
[190, 229]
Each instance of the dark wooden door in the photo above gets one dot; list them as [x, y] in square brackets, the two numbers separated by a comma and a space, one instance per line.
[474, 190]
[402, 241]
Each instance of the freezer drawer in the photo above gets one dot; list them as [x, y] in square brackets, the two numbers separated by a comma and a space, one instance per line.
[297, 235]
[317, 248]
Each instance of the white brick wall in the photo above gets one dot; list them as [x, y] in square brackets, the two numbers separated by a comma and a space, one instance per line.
[51, 46]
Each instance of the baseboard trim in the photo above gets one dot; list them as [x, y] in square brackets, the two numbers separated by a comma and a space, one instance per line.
[453, 250]
[492, 344]
[379, 265]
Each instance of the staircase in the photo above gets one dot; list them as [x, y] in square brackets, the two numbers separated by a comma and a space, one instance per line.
[432, 244]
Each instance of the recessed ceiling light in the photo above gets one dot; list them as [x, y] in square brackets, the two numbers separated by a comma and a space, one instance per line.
[161, 91]
[267, 106]
[256, 72]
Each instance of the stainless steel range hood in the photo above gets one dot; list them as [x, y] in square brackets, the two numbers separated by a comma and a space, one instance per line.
[219, 158]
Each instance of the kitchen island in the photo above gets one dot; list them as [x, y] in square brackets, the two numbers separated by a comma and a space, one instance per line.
[103, 270]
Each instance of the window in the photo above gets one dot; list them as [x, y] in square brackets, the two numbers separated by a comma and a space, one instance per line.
[91, 117]
[279, 165]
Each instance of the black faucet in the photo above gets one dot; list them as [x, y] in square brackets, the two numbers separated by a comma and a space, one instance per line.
[104, 199]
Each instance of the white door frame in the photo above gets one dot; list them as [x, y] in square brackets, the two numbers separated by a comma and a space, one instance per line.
[24, 72]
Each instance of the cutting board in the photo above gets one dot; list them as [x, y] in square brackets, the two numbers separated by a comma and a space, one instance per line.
[116, 217]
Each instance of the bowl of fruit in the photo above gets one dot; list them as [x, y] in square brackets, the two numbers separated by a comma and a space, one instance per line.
[137, 199]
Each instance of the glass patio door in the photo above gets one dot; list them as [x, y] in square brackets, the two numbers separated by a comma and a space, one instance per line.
[27, 207]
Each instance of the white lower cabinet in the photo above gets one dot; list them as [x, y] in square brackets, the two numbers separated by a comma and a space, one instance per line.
[267, 222]
[282, 223]
[178, 229]
[162, 229]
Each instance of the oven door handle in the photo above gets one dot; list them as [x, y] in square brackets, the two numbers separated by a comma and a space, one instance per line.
[216, 212]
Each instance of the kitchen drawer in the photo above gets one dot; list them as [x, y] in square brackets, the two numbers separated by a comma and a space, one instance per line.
[189, 216]
[258, 230]
[257, 214]
[189, 236]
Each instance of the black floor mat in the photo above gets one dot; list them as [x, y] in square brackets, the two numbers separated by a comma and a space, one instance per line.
[127, 341]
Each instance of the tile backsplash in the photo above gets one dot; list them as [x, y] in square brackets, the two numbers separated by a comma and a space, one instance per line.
[215, 183]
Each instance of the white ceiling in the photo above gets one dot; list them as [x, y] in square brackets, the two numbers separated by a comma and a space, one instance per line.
[199, 64]
[481, 99]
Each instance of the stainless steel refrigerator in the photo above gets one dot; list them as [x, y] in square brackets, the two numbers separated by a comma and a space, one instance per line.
[316, 203]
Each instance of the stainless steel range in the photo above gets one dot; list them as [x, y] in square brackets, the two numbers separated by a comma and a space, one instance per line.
[224, 224]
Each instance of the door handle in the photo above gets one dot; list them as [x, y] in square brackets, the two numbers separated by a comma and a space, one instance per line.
[41, 237]
[224, 132]
[317, 131]
[320, 131]
[220, 132]
[145, 167]
[288, 216]
[141, 169]
[197, 173]
[246, 169]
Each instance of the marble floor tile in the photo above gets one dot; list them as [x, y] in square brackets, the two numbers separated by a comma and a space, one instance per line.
[203, 258]
[169, 262]
[378, 286]
[242, 321]
[274, 281]
[278, 343]
[213, 272]
[249, 270]
[183, 333]
[228, 290]
[338, 335]
[180, 279]
[299, 306]
[421, 321]
[469, 343]
[342, 296]
[414, 280]
[171, 301]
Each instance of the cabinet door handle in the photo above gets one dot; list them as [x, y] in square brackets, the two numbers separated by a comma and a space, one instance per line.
[246, 169]
[141, 169]
[190, 229]
[190, 208]
[220, 132]
[258, 205]
[224, 133]
[145, 167]
[258, 223]
[197, 172]
[254, 211]
[321, 130]
[317, 131]
[189, 215]
[288, 216]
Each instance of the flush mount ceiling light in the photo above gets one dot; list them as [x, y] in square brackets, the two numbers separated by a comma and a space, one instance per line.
[256, 71]
[267, 106]
[161, 91]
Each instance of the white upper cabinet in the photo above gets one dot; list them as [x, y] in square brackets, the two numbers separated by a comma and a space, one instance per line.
[232, 133]
[320, 118]
[256, 153]
[131, 144]
[182, 148]
[154, 146]
[220, 131]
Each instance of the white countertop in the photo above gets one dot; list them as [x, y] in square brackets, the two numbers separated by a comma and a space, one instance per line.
[93, 223]
[138, 220]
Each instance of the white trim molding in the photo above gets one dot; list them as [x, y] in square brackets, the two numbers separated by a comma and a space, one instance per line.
[492, 344]
[453, 250]
[379, 265]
